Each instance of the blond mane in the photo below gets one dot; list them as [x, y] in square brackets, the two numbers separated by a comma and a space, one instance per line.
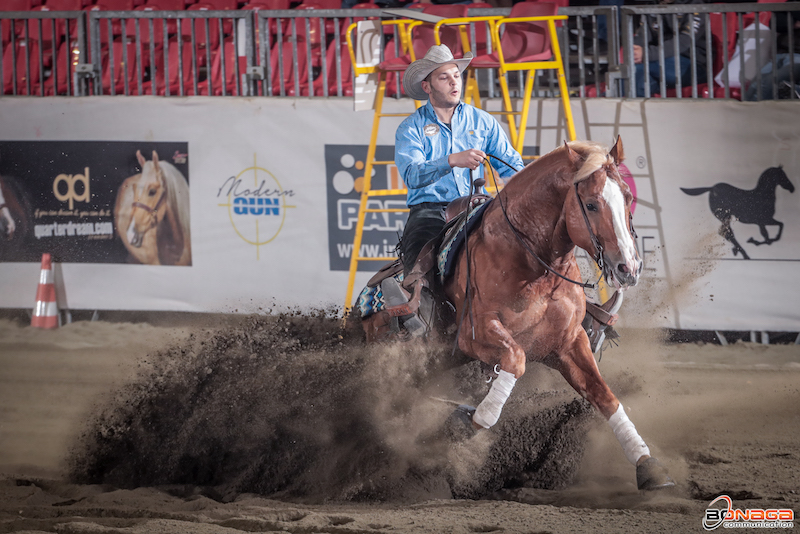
[595, 156]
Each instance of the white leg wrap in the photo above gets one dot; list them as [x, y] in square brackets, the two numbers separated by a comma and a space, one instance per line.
[632, 443]
[488, 411]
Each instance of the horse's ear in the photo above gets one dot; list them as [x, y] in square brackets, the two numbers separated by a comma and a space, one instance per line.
[140, 158]
[155, 158]
[573, 156]
[617, 152]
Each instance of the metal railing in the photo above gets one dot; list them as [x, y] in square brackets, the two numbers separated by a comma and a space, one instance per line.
[39, 51]
[303, 52]
[721, 24]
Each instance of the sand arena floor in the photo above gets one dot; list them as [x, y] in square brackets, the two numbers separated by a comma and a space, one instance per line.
[278, 425]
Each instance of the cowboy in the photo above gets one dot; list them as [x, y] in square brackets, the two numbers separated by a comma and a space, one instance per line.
[442, 146]
[439, 149]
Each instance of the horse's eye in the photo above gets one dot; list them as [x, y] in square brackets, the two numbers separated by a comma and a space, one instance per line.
[591, 207]
[152, 192]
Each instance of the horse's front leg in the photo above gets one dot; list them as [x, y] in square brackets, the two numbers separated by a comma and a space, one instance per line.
[493, 344]
[765, 233]
[577, 365]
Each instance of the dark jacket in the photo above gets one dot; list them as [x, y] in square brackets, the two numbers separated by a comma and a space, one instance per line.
[687, 25]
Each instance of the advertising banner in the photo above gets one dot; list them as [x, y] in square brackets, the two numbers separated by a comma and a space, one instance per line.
[97, 201]
[275, 188]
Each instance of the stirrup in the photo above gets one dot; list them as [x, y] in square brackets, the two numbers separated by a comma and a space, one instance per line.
[598, 321]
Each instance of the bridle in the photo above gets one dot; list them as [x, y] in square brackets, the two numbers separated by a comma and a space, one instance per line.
[597, 257]
[154, 210]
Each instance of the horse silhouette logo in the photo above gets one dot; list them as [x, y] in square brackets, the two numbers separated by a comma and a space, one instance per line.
[748, 206]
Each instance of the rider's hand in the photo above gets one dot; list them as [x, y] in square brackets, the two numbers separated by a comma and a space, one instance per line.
[468, 159]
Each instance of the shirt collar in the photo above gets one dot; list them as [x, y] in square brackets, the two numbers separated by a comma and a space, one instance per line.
[432, 112]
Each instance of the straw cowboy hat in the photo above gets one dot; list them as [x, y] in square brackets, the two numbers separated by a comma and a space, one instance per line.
[435, 57]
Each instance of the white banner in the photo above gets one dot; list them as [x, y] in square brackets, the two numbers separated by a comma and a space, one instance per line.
[272, 185]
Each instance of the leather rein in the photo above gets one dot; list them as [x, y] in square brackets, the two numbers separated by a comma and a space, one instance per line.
[598, 257]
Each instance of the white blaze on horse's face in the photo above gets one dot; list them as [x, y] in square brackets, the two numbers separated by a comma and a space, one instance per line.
[7, 225]
[626, 272]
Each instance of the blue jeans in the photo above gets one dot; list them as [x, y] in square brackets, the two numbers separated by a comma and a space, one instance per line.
[602, 23]
[671, 78]
[783, 73]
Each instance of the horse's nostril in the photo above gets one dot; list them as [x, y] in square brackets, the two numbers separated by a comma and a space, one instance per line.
[622, 268]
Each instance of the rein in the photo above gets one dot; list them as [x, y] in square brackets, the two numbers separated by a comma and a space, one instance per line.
[525, 245]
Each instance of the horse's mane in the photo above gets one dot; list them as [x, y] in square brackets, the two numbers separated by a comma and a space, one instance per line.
[595, 156]
[177, 192]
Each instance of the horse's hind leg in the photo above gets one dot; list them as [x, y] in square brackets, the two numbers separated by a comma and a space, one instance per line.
[726, 232]
[578, 367]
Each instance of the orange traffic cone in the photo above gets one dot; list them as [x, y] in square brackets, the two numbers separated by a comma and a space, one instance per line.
[45, 314]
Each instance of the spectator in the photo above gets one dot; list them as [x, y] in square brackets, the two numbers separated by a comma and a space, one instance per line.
[783, 69]
[688, 24]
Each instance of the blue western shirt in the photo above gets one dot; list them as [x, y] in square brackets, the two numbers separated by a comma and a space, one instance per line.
[423, 143]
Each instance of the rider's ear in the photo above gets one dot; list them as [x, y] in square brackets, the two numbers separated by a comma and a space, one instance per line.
[574, 157]
[617, 152]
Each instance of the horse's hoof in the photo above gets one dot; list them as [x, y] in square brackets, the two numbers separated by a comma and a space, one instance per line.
[458, 425]
[651, 475]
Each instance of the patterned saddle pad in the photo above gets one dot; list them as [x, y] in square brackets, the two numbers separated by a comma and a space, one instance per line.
[454, 239]
[371, 298]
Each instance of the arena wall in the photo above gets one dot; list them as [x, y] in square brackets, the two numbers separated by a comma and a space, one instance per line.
[272, 184]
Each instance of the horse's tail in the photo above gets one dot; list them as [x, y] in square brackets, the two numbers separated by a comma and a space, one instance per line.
[696, 191]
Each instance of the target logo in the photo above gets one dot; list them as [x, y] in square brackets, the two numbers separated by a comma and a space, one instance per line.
[256, 203]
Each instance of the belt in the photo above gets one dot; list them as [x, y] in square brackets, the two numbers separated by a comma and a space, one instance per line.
[429, 205]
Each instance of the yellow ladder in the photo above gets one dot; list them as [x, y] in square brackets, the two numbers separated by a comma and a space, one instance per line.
[517, 133]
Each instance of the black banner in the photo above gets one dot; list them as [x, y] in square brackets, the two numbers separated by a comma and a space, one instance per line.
[95, 202]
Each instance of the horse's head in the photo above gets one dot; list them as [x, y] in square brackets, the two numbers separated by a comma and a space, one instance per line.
[777, 176]
[598, 212]
[7, 225]
[149, 199]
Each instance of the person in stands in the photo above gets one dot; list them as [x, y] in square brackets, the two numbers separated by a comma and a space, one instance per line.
[688, 24]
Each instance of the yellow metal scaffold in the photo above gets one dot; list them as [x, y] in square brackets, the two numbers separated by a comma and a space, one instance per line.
[517, 131]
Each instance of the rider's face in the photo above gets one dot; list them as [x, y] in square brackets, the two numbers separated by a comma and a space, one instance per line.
[444, 86]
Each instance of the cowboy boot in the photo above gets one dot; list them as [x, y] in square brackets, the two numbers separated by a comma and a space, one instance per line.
[598, 321]
[394, 295]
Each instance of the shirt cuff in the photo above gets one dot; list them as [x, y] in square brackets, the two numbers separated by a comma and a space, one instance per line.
[443, 166]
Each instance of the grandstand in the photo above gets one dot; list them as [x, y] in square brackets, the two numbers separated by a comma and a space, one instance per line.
[298, 49]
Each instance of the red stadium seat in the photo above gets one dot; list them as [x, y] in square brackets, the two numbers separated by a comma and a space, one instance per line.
[221, 5]
[64, 5]
[27, 61]
[267, 4]
[115, 5]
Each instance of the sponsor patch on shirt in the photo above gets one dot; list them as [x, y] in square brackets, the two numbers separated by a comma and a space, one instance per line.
[431, 129]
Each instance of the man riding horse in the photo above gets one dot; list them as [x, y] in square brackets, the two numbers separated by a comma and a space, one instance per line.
[437, 150]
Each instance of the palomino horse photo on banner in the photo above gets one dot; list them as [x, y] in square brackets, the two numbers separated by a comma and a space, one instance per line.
[516, 287]
[151, 214]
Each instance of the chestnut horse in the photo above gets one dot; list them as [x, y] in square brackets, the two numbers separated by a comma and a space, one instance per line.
[152, 214]
[572, 196]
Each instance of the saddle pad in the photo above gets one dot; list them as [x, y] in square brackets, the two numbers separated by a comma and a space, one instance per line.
[371, 298]
[453, 242]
